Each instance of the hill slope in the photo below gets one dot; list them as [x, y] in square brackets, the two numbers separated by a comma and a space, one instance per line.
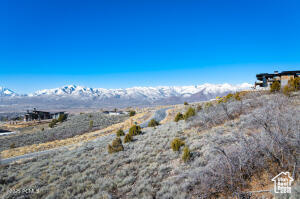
[230, 144]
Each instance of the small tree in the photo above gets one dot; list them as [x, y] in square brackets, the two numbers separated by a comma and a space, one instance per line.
[185, 103]
[120, 133]
[178, 117]
[186, 154]
[189, 113]
[135, 130]
[132, 113]
[275, 87]
[91, 124]
[62, 117]
[176, 144]
[115, 146]
[128, 138]
[153, 123]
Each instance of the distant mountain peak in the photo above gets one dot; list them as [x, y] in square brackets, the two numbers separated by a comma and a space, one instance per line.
[6, 92]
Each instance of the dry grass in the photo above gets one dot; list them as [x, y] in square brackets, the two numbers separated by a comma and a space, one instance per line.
[78, 140]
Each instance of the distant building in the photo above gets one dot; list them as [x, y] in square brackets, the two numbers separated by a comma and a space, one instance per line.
[41, 115]
[267, 79]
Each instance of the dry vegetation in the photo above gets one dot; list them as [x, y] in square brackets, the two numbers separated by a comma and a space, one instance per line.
[231, 144]
[78, 139]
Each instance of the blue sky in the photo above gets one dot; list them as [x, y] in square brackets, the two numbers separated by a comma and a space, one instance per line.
[118, 44]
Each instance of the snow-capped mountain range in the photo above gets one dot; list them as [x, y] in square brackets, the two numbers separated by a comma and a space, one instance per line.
[134, 92]
[79, 96]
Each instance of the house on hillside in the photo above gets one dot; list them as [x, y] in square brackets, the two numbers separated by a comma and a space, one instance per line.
[267, 79]
[41, 115]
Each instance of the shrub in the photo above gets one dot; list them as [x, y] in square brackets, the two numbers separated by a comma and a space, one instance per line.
[275, 87]
[294, 84]
[115, 146]
[135, 130]
[237, 96]
[199, 107]
[225, 99]
[178, 117]
[287, 90]
[120, 132]
[186, 154]
[43, 129]
[52, 124]
[91, 124]
[62, 117]
[12, 146]
[132, 113]
[208, 104]
[128, 138]
[153, 123]
[189, 113]
[185, 103]
[176, 144]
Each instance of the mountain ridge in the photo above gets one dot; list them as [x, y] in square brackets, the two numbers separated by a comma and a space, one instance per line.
[163, 91]
[72, 96]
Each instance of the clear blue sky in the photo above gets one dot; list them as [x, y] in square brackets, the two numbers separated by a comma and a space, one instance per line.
[118, 44]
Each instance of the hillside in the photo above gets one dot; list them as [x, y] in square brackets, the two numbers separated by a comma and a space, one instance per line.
[233, 144]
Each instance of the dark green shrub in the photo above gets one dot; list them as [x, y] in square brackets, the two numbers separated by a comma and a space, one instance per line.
[43, 129]
[178, 117]
[185, 103]
[132, 113]
[189, 113]
[135, 130]
[275, 87]
[120, 132]
[12, 146]
[128, 138]
[176, 144]
[153, 123]
[115, 146]
[62, 117]
[186, 154]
